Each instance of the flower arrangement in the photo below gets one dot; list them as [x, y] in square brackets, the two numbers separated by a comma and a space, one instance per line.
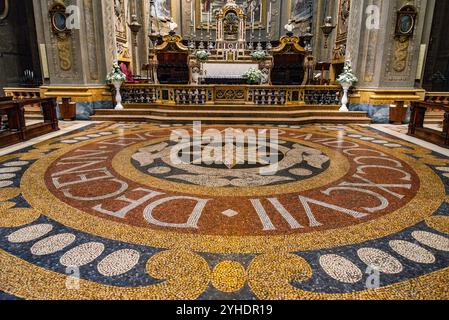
[202, 55]
[258, 55]
[348, 75]
[253, 76]
[116, 74]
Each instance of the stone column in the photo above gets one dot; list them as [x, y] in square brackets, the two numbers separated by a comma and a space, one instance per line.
[143, 48]
[78, 62]
[385, 65]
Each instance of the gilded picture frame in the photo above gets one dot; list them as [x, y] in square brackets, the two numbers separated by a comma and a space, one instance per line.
[406, 21]
[164, 9]
[301, 10]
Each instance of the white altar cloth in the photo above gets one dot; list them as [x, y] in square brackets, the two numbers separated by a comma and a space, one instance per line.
[229, 69]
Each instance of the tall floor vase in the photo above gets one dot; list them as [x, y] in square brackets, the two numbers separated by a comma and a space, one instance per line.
[345, 99]
[118, 96]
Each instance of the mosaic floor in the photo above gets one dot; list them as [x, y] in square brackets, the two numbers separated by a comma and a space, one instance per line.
[104, 213]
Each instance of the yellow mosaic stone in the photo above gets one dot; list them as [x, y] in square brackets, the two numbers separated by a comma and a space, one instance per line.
[32, 155]
[8, 193]
[186, 273]
[16, 217]
[229, 276]
[270, 275]
[439, 223]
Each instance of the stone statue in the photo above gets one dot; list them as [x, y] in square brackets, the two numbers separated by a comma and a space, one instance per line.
[196, 73]
[173, 26]
[328, 22]
[265, 76]
[290, 27]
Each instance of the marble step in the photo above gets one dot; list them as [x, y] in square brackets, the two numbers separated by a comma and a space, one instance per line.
[231, 107]
[227, 113]
[434, 117]
[33, 112]
[31, 116]
[235, 120]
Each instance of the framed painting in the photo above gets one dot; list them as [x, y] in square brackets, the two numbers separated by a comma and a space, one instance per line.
[344, 9]
[120, 20]
[406, 21]
[205, 7]
[301, 10]
[163, 9]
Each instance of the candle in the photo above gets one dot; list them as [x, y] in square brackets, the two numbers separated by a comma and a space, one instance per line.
[252, 21]
[210, 19]
[201, 16]
[194, 20]
[269, 19]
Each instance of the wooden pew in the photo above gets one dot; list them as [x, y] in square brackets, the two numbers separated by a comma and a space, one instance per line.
[416, 126]
[2, 113]
[17, 130]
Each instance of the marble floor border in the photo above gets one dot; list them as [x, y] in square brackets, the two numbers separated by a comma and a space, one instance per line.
[403, 136]
[63, 131]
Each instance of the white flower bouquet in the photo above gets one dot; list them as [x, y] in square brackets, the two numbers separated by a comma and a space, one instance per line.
[348, 75]
[202, 55]
[253, 76]
[116, 74]
[258, 55]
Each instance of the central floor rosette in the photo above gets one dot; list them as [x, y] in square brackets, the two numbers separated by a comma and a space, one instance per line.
[229, 165]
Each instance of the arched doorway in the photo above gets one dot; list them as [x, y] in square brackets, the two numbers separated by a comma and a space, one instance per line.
[18, 45]
[436, 75]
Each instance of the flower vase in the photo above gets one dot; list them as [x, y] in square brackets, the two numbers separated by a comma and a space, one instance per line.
[118, 97]
[345, 99]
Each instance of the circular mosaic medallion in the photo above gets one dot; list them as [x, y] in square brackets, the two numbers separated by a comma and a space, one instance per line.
[320, 184]
[297, 208]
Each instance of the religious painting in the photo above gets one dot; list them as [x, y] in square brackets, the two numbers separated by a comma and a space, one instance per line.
[344, 9]
[231, 26]
[120, 19]
[206, 11]
[405, 24]
[339, 52]
[301, 10]
[163, 9]
[58, 20]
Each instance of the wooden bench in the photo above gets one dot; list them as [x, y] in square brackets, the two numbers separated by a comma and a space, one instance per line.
[67, 109]
[416, 126]
[17, 130]
[3, 113]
